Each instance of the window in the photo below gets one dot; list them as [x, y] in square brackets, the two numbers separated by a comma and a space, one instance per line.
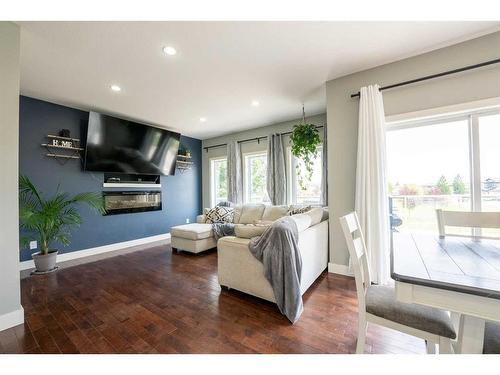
[489, 135]
[254, 180]
[218, 177]
[449, 163]
[303, 190]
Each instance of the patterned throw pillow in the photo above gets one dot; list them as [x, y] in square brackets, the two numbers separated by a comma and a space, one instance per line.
[219, 214]
[225, 204]
[298, 210]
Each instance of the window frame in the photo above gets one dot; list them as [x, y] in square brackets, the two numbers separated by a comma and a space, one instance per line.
[246, 179]
[212, 162]
[472, 117]
[292, 184]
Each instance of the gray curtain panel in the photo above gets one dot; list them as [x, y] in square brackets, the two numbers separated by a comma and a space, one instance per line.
[276, 173]
[234, 174]
[324, 174]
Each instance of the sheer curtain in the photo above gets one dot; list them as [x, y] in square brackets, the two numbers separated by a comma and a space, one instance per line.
[371, 199]
[234, 174]
[276, 174]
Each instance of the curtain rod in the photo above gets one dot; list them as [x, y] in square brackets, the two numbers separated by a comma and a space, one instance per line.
[251, 139]
[437, 75]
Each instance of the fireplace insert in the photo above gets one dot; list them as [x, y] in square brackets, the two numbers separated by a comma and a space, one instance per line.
[125, 202]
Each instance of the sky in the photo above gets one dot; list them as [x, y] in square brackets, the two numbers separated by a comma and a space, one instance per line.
[422, 154]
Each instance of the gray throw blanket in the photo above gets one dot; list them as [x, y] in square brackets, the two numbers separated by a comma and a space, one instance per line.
[222, 229]
[278, 251]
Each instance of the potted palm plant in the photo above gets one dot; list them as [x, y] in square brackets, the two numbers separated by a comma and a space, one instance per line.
[50, 220]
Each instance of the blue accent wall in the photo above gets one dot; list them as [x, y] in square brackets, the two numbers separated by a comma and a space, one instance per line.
[181, 194]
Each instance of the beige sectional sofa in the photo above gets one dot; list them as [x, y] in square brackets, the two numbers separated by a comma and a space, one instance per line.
[237, 267]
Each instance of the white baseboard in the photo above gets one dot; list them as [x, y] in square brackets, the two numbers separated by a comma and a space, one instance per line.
[27, 264]
[339, 269]
[12, 319]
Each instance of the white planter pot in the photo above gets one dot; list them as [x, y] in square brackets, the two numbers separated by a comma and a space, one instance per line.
[45, 263]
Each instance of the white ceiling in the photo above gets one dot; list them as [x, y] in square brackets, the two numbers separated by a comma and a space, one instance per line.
[219, 69]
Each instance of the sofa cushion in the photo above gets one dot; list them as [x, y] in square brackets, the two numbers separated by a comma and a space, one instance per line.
[219, 214]
[192, 231]
[236, 214]
[381, 301]
[251, 213]
[272, 213]
[249, 230]
[316, 215]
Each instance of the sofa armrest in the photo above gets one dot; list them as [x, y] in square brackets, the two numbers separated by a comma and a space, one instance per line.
[303, 221]
[200, 219]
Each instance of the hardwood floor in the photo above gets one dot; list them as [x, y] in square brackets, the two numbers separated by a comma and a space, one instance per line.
[153, 301]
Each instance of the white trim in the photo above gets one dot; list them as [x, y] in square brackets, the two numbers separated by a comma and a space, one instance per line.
[454, 109]
[339, 269]
[28, 264]
[12, 319]
[130, 185]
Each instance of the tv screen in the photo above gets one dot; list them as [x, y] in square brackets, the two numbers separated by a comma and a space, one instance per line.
[122, 146]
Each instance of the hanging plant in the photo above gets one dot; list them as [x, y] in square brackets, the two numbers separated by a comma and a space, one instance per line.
[304, 141]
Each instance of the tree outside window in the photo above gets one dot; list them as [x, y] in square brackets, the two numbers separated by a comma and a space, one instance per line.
[310, 191]
[219, 180]
[255, 178]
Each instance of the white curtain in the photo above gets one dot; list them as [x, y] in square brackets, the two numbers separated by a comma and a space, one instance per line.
[276, 170]
[371, 202]
[234, 174]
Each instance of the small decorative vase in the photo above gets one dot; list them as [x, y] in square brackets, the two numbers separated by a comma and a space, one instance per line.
[45, 263]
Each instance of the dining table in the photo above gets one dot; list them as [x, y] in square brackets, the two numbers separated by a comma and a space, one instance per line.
[456, 274]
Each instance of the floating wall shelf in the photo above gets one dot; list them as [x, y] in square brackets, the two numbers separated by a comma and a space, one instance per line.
[62, 148]
[184, 163]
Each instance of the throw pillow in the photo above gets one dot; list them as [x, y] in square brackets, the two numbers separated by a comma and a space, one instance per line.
[249, 230]
[219, 214]
[298, 210]
[225, 204]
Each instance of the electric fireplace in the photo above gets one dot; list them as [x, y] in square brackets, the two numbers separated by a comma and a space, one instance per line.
[125, 202]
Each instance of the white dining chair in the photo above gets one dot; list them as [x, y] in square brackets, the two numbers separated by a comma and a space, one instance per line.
[378, 304]
[466, 219]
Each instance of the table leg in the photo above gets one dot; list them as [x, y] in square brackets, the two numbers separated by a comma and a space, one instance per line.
[470, 335]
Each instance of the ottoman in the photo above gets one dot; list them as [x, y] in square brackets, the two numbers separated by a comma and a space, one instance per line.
[194, 237]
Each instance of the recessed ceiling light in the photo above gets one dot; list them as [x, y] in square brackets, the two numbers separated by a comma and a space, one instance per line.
[255, 103]
[115, 88]
[168, 50]
[203, 119]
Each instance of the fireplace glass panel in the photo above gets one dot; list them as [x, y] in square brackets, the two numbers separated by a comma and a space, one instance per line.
[131, 201]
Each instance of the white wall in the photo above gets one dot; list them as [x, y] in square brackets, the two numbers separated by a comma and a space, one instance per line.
[342, 111]
[11, 312]
[281, 127]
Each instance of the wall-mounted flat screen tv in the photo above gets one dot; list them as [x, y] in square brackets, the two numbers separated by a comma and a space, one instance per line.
[122, 146]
